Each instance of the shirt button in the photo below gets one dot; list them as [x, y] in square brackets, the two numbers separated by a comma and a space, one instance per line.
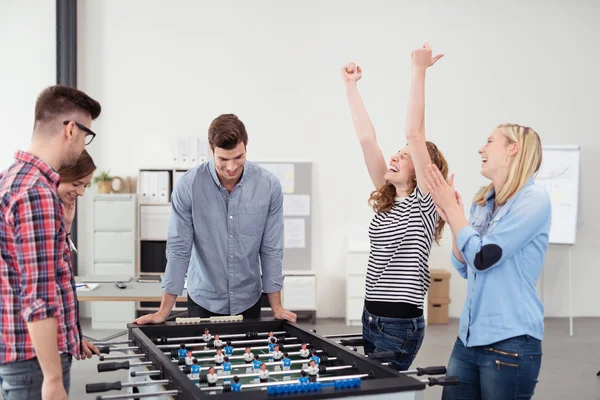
[231, 217]
[230, 236]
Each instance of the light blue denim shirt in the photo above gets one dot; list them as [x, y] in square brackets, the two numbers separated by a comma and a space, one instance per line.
[218, 238]
[505, 253]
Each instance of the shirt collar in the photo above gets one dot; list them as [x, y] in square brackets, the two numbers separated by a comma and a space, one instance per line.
[213, 172]
[44, 167]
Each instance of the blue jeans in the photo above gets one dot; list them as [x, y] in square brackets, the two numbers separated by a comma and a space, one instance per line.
[401, 336]
[505, 370]
[22, 380]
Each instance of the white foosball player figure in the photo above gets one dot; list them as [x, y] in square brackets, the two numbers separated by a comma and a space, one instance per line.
[286, 362]
[189, 358]
[256, 365]
[211, 377]
[313, 371]
[263, 374]
[207, 336]
[248, 357]
[218, 342]
[277, 355]
[195, 369]
[304, 353]
[219, 358]
[271, 338]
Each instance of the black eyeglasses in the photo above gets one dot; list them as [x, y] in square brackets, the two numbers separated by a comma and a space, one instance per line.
[89, 135]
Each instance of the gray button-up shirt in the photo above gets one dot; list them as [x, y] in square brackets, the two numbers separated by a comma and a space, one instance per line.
[218, 238]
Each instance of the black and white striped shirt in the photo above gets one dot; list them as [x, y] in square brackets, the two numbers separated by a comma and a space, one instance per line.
[400, 244]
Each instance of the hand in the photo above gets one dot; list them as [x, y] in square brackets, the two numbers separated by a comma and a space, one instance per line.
[88, 350]
[421, 58]
[282, 313]
[351, 72]
[155, 318]
[443, 194]
[53, 389]
[458, 199]
[69, 215]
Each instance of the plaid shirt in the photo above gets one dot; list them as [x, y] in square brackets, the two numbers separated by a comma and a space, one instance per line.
[36, 280]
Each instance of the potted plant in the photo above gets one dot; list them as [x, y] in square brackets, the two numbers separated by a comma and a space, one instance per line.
[104, 181]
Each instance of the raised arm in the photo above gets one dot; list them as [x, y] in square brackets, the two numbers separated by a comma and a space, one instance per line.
[351, 73]
[415, 118]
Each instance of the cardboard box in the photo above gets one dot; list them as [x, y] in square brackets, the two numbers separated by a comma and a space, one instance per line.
[439, 287]
[437, 311]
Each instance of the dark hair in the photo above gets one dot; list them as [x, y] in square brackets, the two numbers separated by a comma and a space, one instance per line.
[84, 166]
[382, 199]
[58, 100]
[226, 131]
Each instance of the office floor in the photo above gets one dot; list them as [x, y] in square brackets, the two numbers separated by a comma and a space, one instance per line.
[569, 364]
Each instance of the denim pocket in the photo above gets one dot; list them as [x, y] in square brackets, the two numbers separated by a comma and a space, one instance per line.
[20, 384]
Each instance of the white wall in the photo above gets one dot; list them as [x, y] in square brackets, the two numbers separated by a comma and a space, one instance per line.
[165, 71]
[28, 49]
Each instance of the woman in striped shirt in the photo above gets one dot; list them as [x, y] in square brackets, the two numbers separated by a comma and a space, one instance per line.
[404, 226]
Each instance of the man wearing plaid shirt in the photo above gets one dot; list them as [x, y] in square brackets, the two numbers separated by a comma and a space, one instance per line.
[39, 321]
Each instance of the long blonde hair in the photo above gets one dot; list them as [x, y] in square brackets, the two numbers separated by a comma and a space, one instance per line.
[526, 163]
[382, 199]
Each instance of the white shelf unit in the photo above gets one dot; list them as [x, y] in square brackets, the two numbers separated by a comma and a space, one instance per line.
[154, 189]
[357, 259]
[114, 253]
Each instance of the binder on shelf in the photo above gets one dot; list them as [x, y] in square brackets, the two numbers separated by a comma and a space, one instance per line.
[163, 186]
[153, 186]
[144, 186]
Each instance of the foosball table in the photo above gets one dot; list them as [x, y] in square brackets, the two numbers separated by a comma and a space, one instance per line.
[193, 358]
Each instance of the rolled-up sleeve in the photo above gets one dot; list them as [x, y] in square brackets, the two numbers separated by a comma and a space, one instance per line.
[180, 238]
[37, 220]
[459, 266]
[271, 248]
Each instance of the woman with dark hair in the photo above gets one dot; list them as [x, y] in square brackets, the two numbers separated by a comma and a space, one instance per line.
[404, 225]
[73, 182]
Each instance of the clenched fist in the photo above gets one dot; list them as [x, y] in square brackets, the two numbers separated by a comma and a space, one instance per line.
[351, 72]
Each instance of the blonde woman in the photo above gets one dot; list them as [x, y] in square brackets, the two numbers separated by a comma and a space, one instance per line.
[500, 251]
[404, 225]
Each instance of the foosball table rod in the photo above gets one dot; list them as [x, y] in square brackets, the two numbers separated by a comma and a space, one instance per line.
[322, 370]
[324, 360]
[106, 386]
[122, 357]
[279, 339]
[248, 335]
[111, 343]
[278, 383]
[139, 395]
[293, 353]
[108, 349]
[114, 366]
[144, 373]
[339, 335]
[175, 348]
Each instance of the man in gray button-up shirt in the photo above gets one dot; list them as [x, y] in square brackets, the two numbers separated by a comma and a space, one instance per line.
[227, 214]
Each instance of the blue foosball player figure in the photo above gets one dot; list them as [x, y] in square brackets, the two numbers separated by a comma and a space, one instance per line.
[226, 367]
[236, 386]
[195, 368]
[286, 362]
[182, 352]
[315, 357]
[228, 349]
[303, 378]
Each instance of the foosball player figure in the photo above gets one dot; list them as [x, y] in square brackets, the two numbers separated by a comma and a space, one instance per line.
[189, 358]
[236, 386]
[226, 366]
[219, 358]
[256, 364]
[182, 352]
[287, 364]
[207, 336]
[218, 342]
[315, 358]
[304, 353]
[303, 378]
[263, 374]
[277, 357]
[313, 371]
[228, 349]
[195, 368]
[271, 338]
[211, 377]
[248, 357]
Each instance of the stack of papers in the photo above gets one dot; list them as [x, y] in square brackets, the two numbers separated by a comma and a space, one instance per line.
[86, 287]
